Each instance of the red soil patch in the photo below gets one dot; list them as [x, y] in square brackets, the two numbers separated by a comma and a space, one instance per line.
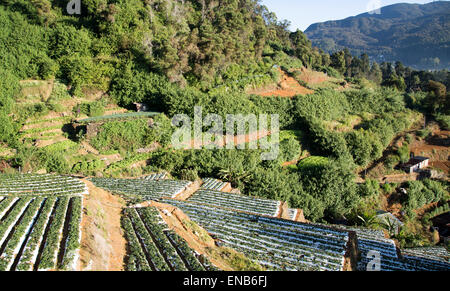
[312, 77]
[288, 87]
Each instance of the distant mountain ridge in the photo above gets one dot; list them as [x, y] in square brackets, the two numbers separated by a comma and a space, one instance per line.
[418, 35]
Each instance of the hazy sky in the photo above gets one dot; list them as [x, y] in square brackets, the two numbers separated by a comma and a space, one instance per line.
[303, 13]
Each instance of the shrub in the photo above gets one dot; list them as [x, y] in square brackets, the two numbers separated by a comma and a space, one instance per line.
[116, 135]
[88, 167]
[444, 121]
[93, 109]
[404, 153]
[290, 149]
[189, 175]
[391, 161]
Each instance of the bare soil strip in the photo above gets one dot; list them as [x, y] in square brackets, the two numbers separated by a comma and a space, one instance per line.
[189, 191]
[103, 245]
[65, 233]
[288, 87]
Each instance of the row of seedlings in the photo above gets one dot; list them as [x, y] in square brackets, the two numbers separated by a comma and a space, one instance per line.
[40, 233]
[213, 184]
[155, 177]
[36, 184]
[194, 261]
[152, 246]
[275, 243]
[12, 244]
[372, 242]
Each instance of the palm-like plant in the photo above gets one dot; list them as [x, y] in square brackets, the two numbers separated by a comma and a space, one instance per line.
[368, 219]
[390, 226]
[228, 175]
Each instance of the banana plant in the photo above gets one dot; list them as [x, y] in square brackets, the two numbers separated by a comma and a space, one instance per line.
[368, 219]
[390, 226]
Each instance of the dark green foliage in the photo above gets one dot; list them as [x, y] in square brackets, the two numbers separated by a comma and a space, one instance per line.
[423, 193]
[24, 47]
[404, 153]
[118, 135]
[327, 143]
[370, 188]
[391, 162]
[8, 129]
[364, 146]
[93, 109]
[290, 149]
[444, 120]
[375, 101]
[88, 167]
[9, 87]
[331, 191]
[323, 105]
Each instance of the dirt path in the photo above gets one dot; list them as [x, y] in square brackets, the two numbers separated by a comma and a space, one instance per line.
[189, 191]
[103, 245]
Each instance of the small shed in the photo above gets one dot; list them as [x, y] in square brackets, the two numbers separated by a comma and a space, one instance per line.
[415, 164]
[142, 107]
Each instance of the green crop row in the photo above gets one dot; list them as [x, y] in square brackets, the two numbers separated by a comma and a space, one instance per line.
[8, 256]
[26, 261]
[150, 247]
[136, 257]
[50, 251]
[13, 216]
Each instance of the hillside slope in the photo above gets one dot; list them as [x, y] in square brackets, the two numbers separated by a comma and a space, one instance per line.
[417, 35]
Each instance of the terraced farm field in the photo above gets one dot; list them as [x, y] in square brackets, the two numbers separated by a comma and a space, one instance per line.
[40, 218]
[274, 243]
[248, 225]
[156, 176]
[35, 184]
[213, 184]
[119, 116]
[237, 202]
[145, 189]
[391, 259]
[154, 247]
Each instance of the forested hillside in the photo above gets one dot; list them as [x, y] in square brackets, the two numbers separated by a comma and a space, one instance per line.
[417, 35]
[57, 70]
